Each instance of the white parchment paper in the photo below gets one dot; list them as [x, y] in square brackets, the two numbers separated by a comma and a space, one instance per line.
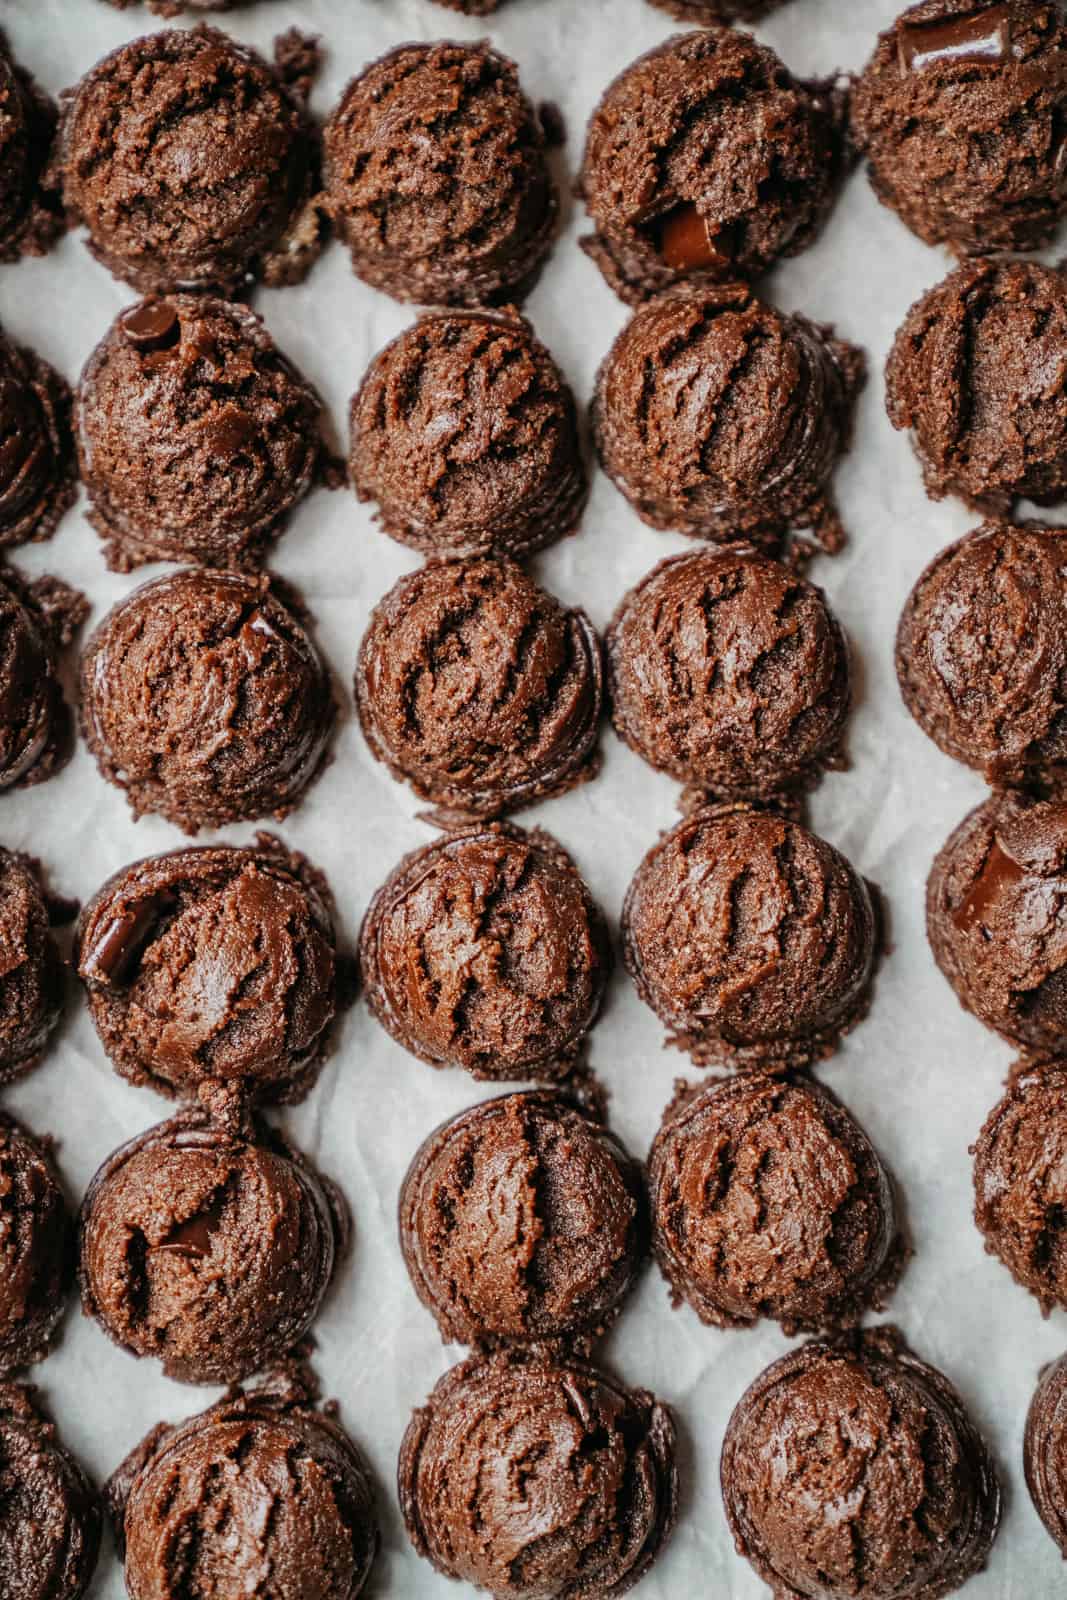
[919, 1073]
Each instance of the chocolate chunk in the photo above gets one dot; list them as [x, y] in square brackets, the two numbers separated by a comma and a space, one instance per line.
[985, 36]
[152, 325]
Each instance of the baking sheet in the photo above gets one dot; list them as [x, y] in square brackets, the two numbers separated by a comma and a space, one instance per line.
[919, 1073]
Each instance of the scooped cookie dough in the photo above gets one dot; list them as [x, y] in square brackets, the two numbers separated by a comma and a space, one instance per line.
[49, 1513]
[208, 1243]
[484, 950]
[262, 1488]
[996, 917]
[213, 963]
[706, 159]
[961, 113]
[753, 940]
[465, 433]
[731, 673]
[31, 213]
[903, 1500]
[205, 699]
[174, 8]
[36, 1253]
[974, 376]
[749, 451]
[477, 688]
[521, 1221]
[196, 436]
[1045, 1451]
[436, 177]
[205, 180]
[37, 462]
[537, 1480]
[36, 728]
[1020, 1192]
[709, 11]
[769, 1200]
[31, 974]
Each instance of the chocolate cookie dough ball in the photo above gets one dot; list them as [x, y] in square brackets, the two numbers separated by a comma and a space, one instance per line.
[752, 939]
[260, 1490]
[31, 214]
[31, 976]
[436, 177]
[1020, 1183]
[196, 436]
[204, 698]
[36, 727]
[521, 1220]
[49, 1514]
[37, 463]
[982, 653]
[477, 688]
[769, 1200]
[960, 112]
[719, 416]
[36, 1251]
[484, 950]
[709, 11]
[974, 375]
[1045, 1451]
[200, 183]
[852, 1468]
[538, 1481]
[464, 432]
[214, 963]
[996, 917]
[208, 1244]
[707, 159]
[731, 673]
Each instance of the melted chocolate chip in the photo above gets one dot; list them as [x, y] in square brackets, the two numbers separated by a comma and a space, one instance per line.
[121, 940]
[230, 432]
[982, 36]
[193, 1236]
[152, 326]
[686, 243]
[999, 873]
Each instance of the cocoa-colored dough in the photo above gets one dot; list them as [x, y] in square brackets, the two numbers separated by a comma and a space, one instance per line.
[722, 418]
[36, 1251]
[205, 179]
[259, 1494]
[31, 975]
[464, 431]
[213, 963]
[982, 653]
[975, 376]
[477, 688]
[175, 8]
[205, 699]
[31, 213]
[1045, 1451]
[962, 112]
[522, 1220]
[709, 11]
[996, 917]
[1020, 1182]
[706, 159]
[539, 1481]
[196, 436]
[769, 1200]
[484, 950]
[209, 1243]
[36, 728]
[436, 177]
[851, 1468]
[37, 461]
[752, 939]
[731, 673]
[49, 1512]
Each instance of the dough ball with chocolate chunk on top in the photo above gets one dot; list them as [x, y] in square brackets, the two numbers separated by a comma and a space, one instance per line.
[522, 1220]
[996, 918]
[477, 688]
[961, 113]
[538, 1479]
[36, 727]
[261, 1482]
[49, 1512]
[436, 177]
[707, 159]
[465, 433]
[851, 1468]
[213, 963]
[196, 436]
[484, 950]
[208, 1243]
[975, 376]
[1020, 1182]
[723, 418]
[38, 469]
[36, 1250]
[31, 213]
[752, 939]
[31, 974]
[731, 673]
[205, 179]
[769, 1200]
[205, 699]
